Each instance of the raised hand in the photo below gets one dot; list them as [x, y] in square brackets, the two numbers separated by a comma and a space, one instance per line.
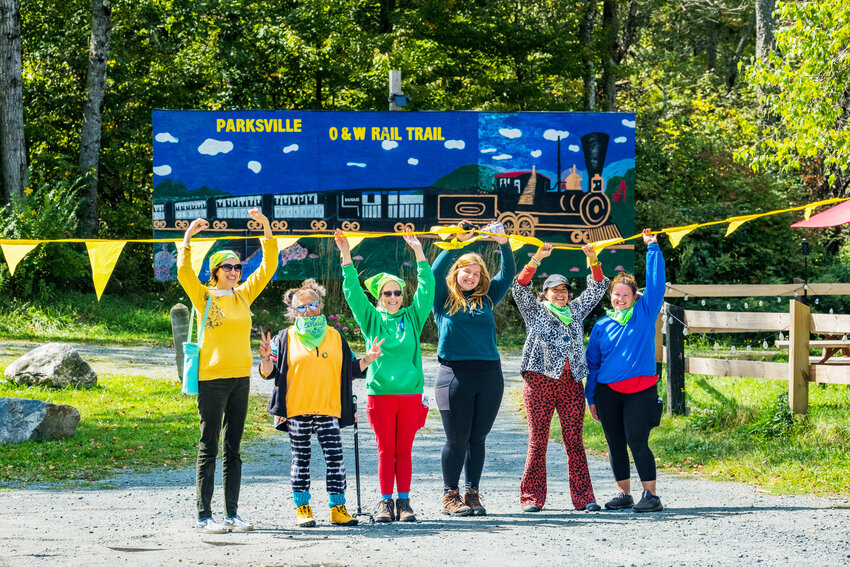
[648, 237]
[197, 226]
[590, 252]
[467, 226]
[499, 230]
[344, 248]
[374, 352]
[414, 243]
[258, 216]
[544, 251]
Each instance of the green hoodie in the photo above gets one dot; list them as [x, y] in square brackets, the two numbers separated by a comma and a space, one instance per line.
[398, 371]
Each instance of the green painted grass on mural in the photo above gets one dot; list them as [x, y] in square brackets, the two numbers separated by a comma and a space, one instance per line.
[127, 423]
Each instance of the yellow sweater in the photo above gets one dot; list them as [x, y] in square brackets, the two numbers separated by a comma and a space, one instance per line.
[226, 347]
[312, 381]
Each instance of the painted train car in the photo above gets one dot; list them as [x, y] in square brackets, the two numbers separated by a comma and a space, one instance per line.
[524, 201]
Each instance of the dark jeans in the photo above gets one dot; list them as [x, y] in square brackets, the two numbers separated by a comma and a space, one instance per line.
[627, 420]
[469, 393]
[221, 402]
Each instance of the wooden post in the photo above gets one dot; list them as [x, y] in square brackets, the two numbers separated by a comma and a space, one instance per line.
[675, 360]
[798, 358]
[395, 88]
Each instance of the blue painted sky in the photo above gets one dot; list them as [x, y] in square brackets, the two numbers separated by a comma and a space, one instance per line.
[188, 148]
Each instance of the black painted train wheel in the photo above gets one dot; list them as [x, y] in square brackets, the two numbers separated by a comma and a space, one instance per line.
[525, 226]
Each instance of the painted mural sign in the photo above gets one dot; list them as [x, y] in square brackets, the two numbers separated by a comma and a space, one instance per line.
[565, 177]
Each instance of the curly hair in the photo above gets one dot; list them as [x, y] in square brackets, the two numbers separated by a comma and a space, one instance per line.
[456, 299]
[310, 286]
[624, 278]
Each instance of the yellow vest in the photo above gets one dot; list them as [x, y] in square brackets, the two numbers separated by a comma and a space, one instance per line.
[312, 381]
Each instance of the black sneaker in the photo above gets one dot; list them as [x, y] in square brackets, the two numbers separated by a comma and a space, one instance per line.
[648, 503]
[620, 502]
[592, 507]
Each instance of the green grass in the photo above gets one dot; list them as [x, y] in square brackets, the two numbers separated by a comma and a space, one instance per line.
[127, 422]
[739, 429]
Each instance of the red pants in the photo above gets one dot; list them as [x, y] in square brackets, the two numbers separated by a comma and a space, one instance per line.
[395, 420]
[542, 395]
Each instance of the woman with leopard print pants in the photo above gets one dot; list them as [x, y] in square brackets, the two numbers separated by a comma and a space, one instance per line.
[553, 367]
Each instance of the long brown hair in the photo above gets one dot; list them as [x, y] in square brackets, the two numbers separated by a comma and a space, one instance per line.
[456, 299]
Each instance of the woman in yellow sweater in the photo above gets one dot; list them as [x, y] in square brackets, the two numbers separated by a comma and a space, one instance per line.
[225, 365]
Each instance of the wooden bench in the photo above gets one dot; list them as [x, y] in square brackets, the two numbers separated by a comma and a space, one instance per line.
[830, 346]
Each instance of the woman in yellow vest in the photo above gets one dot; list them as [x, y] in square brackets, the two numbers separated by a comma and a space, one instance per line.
[312, 367]
[225, 365]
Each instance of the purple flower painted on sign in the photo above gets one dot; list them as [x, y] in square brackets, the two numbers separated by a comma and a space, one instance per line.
[333, 318]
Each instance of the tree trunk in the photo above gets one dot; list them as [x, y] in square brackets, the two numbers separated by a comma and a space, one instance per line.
[12, 143]
[765, 42]
[90, 136]
[585, 30]
[609, 53]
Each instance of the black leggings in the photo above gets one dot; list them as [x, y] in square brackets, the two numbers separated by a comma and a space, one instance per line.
[627, 419]
[469, 393]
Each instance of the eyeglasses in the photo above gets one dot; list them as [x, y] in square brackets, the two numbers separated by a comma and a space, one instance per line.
[395, 292]
[312, 306]
[229, 267]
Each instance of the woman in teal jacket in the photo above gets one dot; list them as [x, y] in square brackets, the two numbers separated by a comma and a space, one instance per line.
[395, 381]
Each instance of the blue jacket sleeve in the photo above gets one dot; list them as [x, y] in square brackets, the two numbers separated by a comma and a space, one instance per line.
[501, 282]
[656, 283]
[594, 361]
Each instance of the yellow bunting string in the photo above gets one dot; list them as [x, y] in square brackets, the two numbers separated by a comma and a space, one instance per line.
[103, 256]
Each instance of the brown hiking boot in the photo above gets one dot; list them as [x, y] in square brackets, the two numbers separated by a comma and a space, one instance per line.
[403, 511]
[453, 504]
[473, 500]
[384, 513]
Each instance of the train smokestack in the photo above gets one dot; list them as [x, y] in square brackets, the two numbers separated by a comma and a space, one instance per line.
[595, 147]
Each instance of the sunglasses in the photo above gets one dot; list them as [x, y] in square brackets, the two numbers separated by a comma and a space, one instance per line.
[312, 306]
[395, 292]
[228, 267]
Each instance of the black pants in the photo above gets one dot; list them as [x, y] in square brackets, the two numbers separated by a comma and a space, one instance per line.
[221, 402]
[627, 420]
[469, 394]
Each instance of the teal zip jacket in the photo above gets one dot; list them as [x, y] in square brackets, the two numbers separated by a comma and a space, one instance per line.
[398, 371]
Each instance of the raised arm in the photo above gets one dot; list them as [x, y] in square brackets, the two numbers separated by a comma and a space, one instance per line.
[185, 274]
[423, 299]
[268, 266]
[596, 286]
[656, 282]
[523, 296]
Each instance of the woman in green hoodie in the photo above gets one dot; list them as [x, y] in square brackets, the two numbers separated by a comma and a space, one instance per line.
[395, 381]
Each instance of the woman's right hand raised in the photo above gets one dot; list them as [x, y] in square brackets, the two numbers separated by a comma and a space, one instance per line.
[197, 226]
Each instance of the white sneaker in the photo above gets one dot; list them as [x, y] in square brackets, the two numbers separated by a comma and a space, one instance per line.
[209, 526]
[236, 524]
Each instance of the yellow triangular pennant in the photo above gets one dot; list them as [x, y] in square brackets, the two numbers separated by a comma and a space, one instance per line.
[454, 244]
[518, 241]
[103, 256]
[353, 239]
[284, 242]
[736, 222]
[676, 235]
[445, 231]
[14, 253]
[199, 252]
[597, 246]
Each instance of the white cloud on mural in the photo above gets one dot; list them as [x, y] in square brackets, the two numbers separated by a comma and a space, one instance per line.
[212, 147]
[389, 144]
[620, 140]
[510, 132]
[629, 123]
[413, 161]
[255, 166]
[555, 134]
[455, 144]
[355, 164]
[536, 153]
[488, 150]
[503, 156]
[165, 137]
[290, 148]
[162, 170]
[574, 148]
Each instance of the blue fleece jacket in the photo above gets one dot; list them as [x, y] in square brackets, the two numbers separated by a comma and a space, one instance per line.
[469, 334]
[618, 352]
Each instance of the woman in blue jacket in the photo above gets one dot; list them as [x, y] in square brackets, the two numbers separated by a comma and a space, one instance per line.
[621, 384]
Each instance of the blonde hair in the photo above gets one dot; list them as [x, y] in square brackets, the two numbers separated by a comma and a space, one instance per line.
[310, 286]
[624, 278]
[456, 299]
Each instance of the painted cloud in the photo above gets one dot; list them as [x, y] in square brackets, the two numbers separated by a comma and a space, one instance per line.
[488, 150]
[555, 134]
[503, 156]
[628, 123]
[165, 137]
[290, 148]
[355, 164]
[620, 140]
[574, 148]
[389, 144]
[212, 147]
[536, 153]
[413, 161]
[255, 166]
[455, 144]
[510, 132]
[162, 169]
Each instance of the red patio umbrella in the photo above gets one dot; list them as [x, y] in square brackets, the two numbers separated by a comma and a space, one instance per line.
[837, 215]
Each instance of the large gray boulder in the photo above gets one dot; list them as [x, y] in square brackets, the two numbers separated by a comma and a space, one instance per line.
[56, 365]
[25, 420]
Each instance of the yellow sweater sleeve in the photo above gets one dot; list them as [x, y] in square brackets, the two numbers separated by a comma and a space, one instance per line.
[193, 287]
[258, 280]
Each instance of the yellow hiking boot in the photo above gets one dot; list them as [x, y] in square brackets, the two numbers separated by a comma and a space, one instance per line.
[341, 517]
[304, 517]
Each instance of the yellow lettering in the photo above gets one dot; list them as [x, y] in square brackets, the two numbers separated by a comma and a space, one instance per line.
[280, 125]
[261, 126]
[297, 125]
[417, 133]
[376, 133]
[219, 124]
[428, 134]
[249, 125]
[409, 132]
[439, 135]
[333, 133]
[230, 127]
[385, 134]
[359, 132]
[240, 125]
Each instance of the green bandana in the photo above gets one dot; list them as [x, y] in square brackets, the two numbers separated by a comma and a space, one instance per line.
[311, 330]
[221, 256]
[621, 317]
[377, 282]
[562, 313]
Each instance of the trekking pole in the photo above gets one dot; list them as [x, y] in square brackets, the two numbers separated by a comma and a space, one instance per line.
[357, 467]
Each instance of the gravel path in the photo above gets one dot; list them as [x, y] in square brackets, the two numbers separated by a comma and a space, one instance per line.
[146, 519]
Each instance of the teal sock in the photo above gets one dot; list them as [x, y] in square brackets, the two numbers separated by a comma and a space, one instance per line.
[386, 496]
[336, 500]
[301, 498]
[404, 495]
